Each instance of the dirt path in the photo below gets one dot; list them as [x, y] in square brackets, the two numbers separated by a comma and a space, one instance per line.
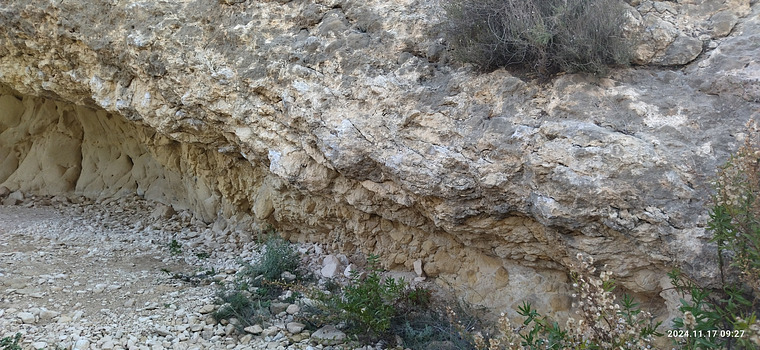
[131, 274]
[94, 276]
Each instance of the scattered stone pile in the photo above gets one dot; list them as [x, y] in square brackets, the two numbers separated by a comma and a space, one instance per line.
[127, 273]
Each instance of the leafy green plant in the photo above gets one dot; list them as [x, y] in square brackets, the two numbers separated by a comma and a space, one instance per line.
[11, 343]
[242, 306]
[703, 312]
[544, 36]
[373, 307]
[369, 303]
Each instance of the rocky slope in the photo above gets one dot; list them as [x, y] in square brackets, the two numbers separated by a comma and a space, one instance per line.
[345, 122]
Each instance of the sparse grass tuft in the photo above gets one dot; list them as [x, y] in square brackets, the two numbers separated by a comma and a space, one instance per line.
[279, 256]
[426, 328]
[248, 299]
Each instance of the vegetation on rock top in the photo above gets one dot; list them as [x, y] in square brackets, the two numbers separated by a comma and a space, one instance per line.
[542, 36]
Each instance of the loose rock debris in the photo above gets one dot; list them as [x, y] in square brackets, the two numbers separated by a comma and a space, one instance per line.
[127, 274]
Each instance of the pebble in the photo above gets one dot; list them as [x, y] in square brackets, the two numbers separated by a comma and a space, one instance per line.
[81, 344]
[295, 327]
[270, 331]
[207, 309]
[277, 307]
[46, 314]
[328, 335]
[255, 329]
[99, 288]
[27, 317]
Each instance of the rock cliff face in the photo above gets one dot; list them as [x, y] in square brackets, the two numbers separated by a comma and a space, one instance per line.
[345, 122]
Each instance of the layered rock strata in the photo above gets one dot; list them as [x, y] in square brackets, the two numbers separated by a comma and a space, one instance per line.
[345, 122]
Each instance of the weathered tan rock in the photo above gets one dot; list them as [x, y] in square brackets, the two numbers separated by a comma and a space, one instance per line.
[344, 122]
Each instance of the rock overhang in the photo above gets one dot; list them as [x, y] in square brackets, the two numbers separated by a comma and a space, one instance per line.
[341, 122]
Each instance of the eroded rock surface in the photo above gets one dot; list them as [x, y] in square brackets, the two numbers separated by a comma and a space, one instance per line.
[344, 122]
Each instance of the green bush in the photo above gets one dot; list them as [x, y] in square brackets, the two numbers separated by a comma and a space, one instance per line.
[543, 36]
[175, 248]
[426, 328]
[374, 308]
[370, 303]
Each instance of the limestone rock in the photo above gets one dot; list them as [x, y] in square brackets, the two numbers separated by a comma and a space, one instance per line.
[278, 307]
[349, 271]
[81, 344]
[328, 335]
[255, 329]
[682, 50]
[14, 198]
[207, 309]
[295, 327]
[27, 317]
[287, 276]
[418, 268]
[292, 309]
[47, 315]
[722, 23]
[330, 266]
[670, 33]
[11, 201]
[162, 211]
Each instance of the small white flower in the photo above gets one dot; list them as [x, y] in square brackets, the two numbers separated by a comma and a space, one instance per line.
[689, 321]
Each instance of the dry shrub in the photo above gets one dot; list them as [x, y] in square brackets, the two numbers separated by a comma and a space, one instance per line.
[544, 36]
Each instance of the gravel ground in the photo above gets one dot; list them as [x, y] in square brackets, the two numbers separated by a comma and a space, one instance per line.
[79, 274]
